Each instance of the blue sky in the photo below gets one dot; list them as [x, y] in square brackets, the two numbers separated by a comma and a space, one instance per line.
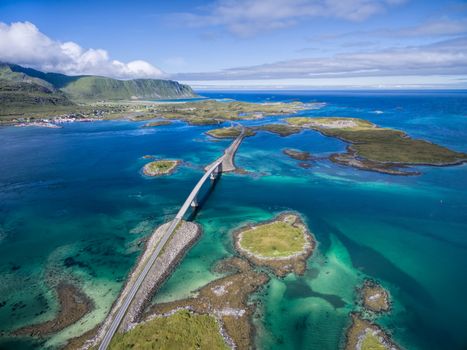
[248, 43]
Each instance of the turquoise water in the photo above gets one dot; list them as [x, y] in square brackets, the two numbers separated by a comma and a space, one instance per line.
[77, 192]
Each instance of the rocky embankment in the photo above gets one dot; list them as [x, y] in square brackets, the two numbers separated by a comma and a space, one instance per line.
[182, 239]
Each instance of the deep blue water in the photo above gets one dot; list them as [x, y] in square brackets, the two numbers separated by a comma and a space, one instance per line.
[78, 192]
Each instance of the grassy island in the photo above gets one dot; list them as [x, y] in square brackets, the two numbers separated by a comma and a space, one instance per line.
[364, 335]
[229, 132]
[214, 112]
[282, 244]
[280, 129]
[181, 330]
[160, 167]
[374, 297]
[157, 123]
[379, 149]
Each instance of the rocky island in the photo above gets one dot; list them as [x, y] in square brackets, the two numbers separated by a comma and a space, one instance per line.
[374, 297]
[282, 244]
[297, 154]
[379, 149]
[364, 335]
[160, 167]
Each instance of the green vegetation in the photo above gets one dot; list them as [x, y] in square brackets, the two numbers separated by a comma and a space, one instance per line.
[157, 123]
[160, 167]
[211, 112]
[90, 88]
[379, 149]
[282, 245]
[372, 342]
[330, 122]
[25, 90]
[182, 330]
[230, 292]
[19, 96]
[229, 132]
[280, 129]
[364, 335]
[272, 240]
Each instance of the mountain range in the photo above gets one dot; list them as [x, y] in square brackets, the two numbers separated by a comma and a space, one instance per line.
[24, 88]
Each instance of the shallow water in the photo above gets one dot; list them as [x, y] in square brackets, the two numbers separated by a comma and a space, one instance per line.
[78, 192]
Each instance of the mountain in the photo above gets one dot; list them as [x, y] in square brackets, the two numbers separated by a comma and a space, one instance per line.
[21, 93]
[19, 84]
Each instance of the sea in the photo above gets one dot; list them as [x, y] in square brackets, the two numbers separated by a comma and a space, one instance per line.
[75, 206]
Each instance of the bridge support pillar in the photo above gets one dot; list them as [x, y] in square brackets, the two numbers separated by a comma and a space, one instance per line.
[215, 174]
[194, 203]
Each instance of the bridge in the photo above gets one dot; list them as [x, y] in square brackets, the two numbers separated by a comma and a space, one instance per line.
[212, 171]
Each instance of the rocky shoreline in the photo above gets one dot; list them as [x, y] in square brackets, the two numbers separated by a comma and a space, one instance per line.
[160, 167]
[280, 265]
[374, 298]
[363, 334]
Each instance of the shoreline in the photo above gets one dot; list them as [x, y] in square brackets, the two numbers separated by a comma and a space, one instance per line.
[278, 265]
[74, 304]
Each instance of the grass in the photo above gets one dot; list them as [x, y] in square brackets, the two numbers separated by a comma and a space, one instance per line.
[182, 330]
[372, 342]
[213, 112]
[229, 132]
[159, 167]
[276, 239]
[280, 129]
[382, 145]
[364, 335]
[157, 123]
[329, 121]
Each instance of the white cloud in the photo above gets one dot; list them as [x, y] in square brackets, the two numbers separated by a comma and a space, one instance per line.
[247, 17]
[22, 43]
[440, 27]
[442, 58]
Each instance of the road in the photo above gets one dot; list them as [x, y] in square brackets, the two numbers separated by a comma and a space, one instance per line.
[230, 151]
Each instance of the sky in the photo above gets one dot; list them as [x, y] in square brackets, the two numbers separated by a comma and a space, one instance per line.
[244, 43]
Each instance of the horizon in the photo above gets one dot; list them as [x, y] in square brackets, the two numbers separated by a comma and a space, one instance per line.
[246, 44]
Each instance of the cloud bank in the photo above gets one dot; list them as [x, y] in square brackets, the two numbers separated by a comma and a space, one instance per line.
[447, 57]
[248, 17]
[22, 43]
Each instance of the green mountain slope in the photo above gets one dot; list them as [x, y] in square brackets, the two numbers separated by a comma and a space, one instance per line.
[93, 88]
[100, 88]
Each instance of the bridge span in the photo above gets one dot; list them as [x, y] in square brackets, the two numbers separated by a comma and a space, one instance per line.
[212, 171]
